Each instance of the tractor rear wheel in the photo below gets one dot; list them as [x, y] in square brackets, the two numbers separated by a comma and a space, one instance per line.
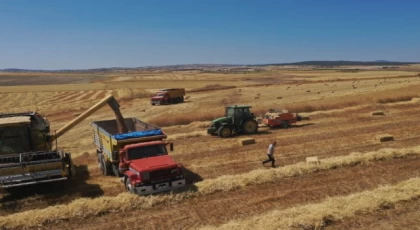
[224, 132]
[250, 127]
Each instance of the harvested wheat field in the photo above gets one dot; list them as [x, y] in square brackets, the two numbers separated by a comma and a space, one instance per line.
[356, 182]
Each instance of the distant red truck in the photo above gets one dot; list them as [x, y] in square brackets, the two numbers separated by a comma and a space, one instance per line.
[168, 96]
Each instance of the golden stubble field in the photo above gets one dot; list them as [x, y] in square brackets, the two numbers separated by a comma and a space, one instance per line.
[229, 188]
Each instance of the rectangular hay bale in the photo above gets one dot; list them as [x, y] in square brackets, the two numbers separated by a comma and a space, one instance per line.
[378, 113]
[305, 118]
[247, 141]
[313, 160]
[384, 137]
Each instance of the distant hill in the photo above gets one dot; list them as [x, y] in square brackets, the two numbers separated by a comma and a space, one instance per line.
[346, 63]
[218, 66]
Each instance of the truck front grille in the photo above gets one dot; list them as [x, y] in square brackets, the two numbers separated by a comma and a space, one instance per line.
[155, 175]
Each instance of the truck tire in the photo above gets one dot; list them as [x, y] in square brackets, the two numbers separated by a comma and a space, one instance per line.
[128, 186]
[98, 156]
[182, 99]
[250, 127]
[105, 167]
[224, 132]
[116, 171]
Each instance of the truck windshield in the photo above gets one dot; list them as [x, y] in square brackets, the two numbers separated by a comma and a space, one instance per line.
[146, 151]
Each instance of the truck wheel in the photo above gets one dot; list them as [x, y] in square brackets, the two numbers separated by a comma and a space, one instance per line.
[116, 171]
[98, 156]
[153, 103]
[128, 185]
[182, 99]
[224, 132]
[250, 127]
[101, 166]
[106, 167]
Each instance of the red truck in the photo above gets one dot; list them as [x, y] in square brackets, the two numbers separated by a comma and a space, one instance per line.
[139, 156]
[168, 96]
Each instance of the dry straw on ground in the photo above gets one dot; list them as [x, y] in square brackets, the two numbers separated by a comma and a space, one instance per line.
[186, 135]
[85, 207]
[301, 107]
[211, 88]
[313, 160]
[314, 216]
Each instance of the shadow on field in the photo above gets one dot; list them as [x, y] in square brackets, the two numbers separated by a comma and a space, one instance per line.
[294, 126]
[53, 192]
[261, 131]
[189, 101]
[191, 178]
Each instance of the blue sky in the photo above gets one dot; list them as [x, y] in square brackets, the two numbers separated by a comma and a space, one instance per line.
[64, 34]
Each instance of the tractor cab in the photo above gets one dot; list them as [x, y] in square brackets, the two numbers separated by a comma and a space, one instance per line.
[237, 119]
[239, 113]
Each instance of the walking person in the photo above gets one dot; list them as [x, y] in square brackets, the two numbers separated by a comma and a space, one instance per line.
[270, 154]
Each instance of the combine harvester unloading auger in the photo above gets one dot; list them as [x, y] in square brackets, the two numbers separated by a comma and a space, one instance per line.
[27, 155]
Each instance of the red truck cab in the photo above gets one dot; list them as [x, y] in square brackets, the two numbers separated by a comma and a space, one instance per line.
[159, 98]
[148, 168]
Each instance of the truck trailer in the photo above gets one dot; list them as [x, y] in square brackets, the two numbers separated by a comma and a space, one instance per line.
[139, 156]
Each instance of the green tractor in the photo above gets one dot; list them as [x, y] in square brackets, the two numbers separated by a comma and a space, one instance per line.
[238, 119]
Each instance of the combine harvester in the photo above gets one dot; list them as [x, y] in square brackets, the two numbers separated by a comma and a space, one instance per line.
[136, 152]
[27, 155]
